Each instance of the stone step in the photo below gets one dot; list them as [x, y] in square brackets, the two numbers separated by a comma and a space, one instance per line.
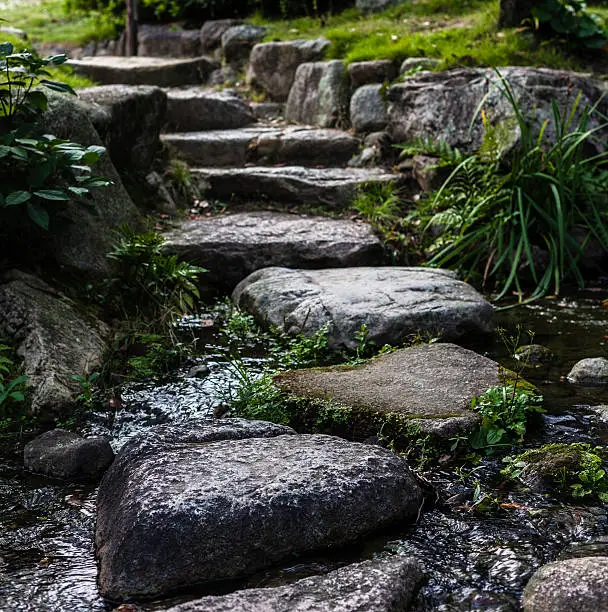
[110, 70]
[265, 145]
[327, 187]
[193, 109]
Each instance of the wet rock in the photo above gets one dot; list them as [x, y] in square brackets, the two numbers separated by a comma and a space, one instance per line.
[199, 371]
[320, 95]
[591, 371]
[430, 385]
[411, 64]
[63, 454]
[601, 411]
[233, 246]
[381, 585]
[166, 41]
[573, 584]
[272, 66]
[441, 105]
[377, 150]
[534, 354]
[366, 73]
[223, 76]
[161, 72]
[265, 145]
[212, 31]
[54, 339]
[331, 187]
[368, 109]
[237, 43]
[178, 508]
[136, 116]
[194, 109]
[393, 302]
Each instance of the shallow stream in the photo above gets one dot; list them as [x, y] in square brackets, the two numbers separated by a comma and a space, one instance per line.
[475, 560]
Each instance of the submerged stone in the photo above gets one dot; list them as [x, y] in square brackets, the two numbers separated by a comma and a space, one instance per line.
[381, 585]
[430, 386]
[393, 302]
[182, 506]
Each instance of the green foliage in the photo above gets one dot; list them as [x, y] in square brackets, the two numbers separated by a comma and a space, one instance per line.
[504, 412]
[575, 470]
[494, 216]
[12, 389]
[86, 383]
[157, 354]
[570, 19]
[150, 284]
[303, 351]
[448, 155]
[40, 172]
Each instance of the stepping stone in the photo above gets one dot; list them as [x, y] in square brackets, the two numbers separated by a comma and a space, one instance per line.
[110, 70]
[431, 385]
[331, 187]
[185, 505]
[233, 246]
[379, 585]
[394, 303]
[265, 145]
[196, 108]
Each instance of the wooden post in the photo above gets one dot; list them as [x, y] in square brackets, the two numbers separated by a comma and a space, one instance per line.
[131, 42]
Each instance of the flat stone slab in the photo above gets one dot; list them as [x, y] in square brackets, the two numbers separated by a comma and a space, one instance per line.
[265, 145]
[394, 303]
[180, 506]
[380, 585]
[431, 384]
[110, 70]
[233, 246]
[192, 109]
[331, 187]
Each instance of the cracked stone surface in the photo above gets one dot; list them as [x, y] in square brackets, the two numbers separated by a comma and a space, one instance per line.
[393, 302]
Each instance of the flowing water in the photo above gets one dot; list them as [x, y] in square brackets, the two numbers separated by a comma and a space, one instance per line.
[475, 560]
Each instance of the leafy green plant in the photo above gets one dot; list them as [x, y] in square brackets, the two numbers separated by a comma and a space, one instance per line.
[448, 155]
[86, 383]
[303, 351]
[496, 218]
[575, 470]
[38, 170]
[12, 390]
[571, 20]
[504, 412]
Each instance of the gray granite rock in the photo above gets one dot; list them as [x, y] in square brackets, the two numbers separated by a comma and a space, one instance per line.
[431, 385]
[381, 585]
[54, 338]
[233, 246]
[534, 354]
[591, 371]
[368, 109]
[212, 31]
[442, 104]
[180, 509]
[272, 66]
[136, 116]
[166, 41]
[263, 145]
[162, 72]
[377, 71]
[410, 64]
[63, 454]
[563, 586]
[193, 109]
[393, 302]
[320, 95]
[238, 41]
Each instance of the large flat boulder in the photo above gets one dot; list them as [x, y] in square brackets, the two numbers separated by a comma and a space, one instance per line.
[233, 246]
[178, 509]
[272, 66]
[380, 585]
[431, 385]
[330, 187]
[293, 145]
[441, 105]
[55, 339]
[393, 302]
[195, 108]
[320, 95]
[573, 584]
[136, 116]
[162, 72]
